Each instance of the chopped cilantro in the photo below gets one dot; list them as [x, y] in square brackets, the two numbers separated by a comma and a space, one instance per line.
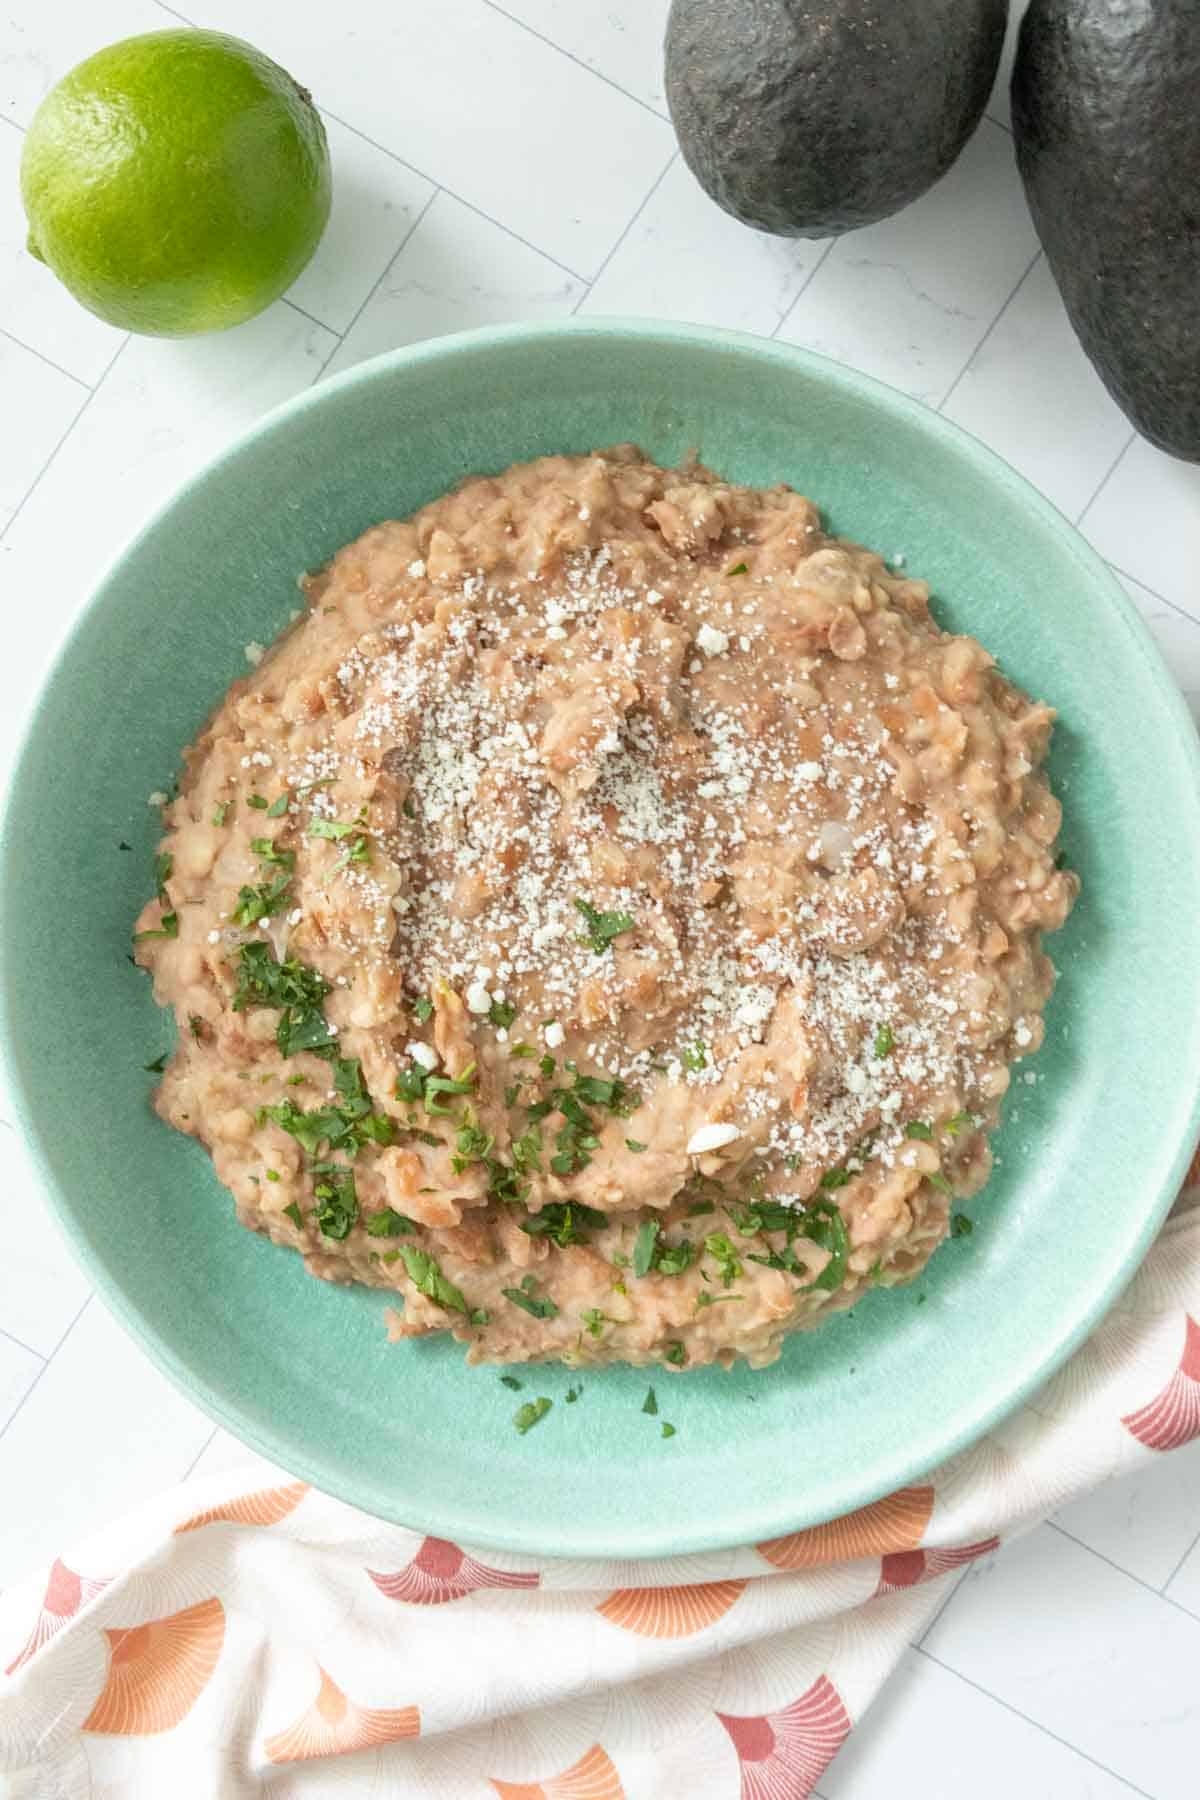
[220, 812]
[572, 1394]
[168, 928]
[279, 806]
[704, 1298]
[423, 1009]
[885, 1041]
[262, 902]
[632, 1144]
[825, 1226]
[764, 1215]
[668, 1431]
[961, 1226]
[409, 808]
[835, 1178]
[272, 1174]
[293, 1213]
[358, 852]
[295, 990]
[939, 1181]
[676, 1354]
[595, 1320]
[673, 1259]
[195, 1025]
[510, 1381]
[501, 1013]
[344, 1126]
[644, 1245]
[265, 849]
[695, 1058]
[480, 1316]
[917, 1128]
[329, 828]
[602, 927]
[337, 1200]
[650, 1404]
[565, 1223]
[445, 1084]
[428, 1279]
[528, 1301]
[961, 1121]
[738, 569]
[389, 1224]
[698, 1207]
[257, 801]
[723, 1253]
[158, 1065]
[527, 1416]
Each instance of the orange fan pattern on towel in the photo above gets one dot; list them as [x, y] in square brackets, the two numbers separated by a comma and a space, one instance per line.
[157, 1671]
[1172, 1418]
[440, 1571]
[66, 1593]
[593, 1777]
[897, 1522]
[265, 1507]
[670, 1612]
[784, 1754]
[333, 1725]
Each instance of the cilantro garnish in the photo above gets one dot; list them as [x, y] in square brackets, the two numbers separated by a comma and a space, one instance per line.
[595, 1320]
[258, 802]
[738, 569]
[527, 1416]
[389, 1224]
[423, 1009]
[195, 1025]
[444, 1084]
[835, 1178]
[676, 1354]
[917, 1128]
[168, 928]
[295, 990]
[723, 1253]
[264, 848]
[273, 1175]
[262, 902]
[528, 1301]
[825, 1226]
[602, 927]
[632, 1144]
[939, 1181]
[501, 1013]
[347, 1125]
[158, 1065]
[220, 812]
[337, 1200]
[329, 828]
[668, 1431]
[279, 806]
[960, 1122]
[695, 1058]
[358, 852]
[650, 1403]
[510, 1381]
[428, 1279]
[644, 1245]
[704, 1298]
[572, 1394]
[292, 1211]
[885, 1041]
[567, 1223]
[961, 1225]
[764, 1215]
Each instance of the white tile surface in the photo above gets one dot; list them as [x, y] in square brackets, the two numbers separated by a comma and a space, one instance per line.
[532, 158]
[931, 1720]
[909, 299]
[101, 1430]
[623, 43]
[35, 307]
[457, 270]
[683, 258]
[1030, 392]
[45, 401]
[1085, 1652]
[1146, 519]
[550, 149]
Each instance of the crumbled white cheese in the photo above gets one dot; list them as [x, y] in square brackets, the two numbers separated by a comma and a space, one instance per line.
[157, 798]
[478, 999]
[254, 654]
[712, 641]
[425, 1054]
[416, 569]
[554, 1034]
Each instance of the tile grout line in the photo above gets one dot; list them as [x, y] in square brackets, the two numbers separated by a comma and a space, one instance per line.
[24, 1400]
[39, 477]
[796, 298]
[200, 1452]
[5, 120]
[940, 1611]
[311, 317]
[438, 186]
[662, 117]
[22, 1345]
[1174, 1572]
[48, 360]
[1107, 476]
[1153, 592]
[375, 286]
[955, 384]
[632, 221]
[1136, 1579]
[1037, 1726]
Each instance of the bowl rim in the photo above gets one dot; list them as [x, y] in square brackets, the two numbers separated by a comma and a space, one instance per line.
[770, 1519]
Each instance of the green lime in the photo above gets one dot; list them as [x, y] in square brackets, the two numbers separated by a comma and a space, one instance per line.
[176, 182]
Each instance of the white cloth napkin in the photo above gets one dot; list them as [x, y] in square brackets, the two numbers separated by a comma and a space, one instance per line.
[232, 1640]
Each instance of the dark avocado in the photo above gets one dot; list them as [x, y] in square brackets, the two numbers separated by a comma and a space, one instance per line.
[812, 117]
[1106, 113]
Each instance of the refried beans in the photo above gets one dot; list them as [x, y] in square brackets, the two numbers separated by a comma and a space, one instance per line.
[607, 917]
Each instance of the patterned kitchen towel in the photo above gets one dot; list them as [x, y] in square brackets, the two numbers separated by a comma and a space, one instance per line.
[231, 1640]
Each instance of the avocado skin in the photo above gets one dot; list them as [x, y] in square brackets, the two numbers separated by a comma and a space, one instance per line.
[812, 117]
[1106, 115]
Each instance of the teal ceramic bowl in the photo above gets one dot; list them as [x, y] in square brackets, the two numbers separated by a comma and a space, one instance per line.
[1090, 1154]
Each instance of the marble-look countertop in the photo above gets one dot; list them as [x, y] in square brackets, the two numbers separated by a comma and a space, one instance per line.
[500, 162]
